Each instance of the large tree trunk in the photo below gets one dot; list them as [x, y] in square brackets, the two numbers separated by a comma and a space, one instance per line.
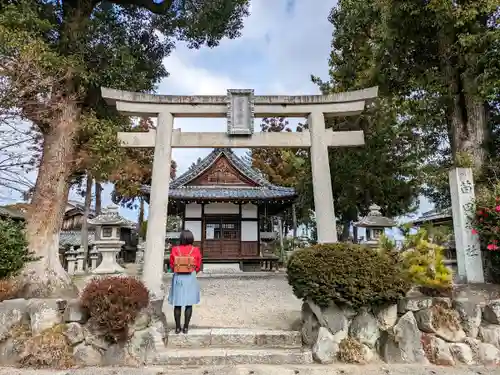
[46, 277]
[346, 225]
[468, 130]
[85, 225]
[467, 123]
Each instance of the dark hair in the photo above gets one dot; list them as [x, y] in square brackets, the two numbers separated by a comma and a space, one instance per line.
[186, 237]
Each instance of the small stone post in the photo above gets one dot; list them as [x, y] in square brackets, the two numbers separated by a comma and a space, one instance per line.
[80, 258]
[94, 256]
[71, 258]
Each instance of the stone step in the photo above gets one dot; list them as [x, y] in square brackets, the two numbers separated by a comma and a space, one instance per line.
[224, 357]
[235, 338]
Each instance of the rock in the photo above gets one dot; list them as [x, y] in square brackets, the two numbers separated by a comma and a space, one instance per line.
[364, 328]
[444, 302]
[387, 317]
[462, 353]
[144, 345]
[310, 326]
[492, 312]
[470, 316]
[489, 355]
[143, 319]
[94, 337]
[10, 351]
[414, 304]
[74, 312]
[437, 350]
[490, 334]
[326, 347]
[74, 333]
[442, 322]
[368, 355]
[86, 355]
[118, 355]
[402, 343]
[349, 312]
[331, 317]
[12, 313]
[473, 344]
[44, 314]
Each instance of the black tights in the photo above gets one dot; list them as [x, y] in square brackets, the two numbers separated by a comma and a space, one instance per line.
[188, 312]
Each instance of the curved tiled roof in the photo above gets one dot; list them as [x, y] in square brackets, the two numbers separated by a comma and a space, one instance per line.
[263, 190]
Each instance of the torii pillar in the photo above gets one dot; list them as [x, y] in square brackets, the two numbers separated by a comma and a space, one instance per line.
[240, 107]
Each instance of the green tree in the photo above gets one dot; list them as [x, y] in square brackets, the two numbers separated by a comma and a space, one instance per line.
[55, 56]
[283, 167]
[135, 172]
[445, 54]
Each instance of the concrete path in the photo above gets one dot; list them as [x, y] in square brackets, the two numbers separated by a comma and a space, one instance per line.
[267, 370]
[244, 302]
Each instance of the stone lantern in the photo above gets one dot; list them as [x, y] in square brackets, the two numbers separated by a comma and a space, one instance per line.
[375, 225]
[109, 245]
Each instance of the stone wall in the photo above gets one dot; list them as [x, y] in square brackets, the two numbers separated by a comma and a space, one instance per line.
[418, 330]
[47, 332]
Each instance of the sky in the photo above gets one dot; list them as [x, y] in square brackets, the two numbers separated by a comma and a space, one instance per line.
[283, 42]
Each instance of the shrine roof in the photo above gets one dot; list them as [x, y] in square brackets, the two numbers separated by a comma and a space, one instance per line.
[74, 238]
[434, 215]
[251, 186]
[221, 193]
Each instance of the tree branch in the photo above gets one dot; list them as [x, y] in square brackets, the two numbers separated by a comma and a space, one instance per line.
[157, 8]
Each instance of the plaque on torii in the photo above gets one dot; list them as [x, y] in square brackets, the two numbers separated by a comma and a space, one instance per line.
[240, 115]
[240, 107]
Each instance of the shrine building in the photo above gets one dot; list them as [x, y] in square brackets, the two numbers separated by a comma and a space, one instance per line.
[225, 203]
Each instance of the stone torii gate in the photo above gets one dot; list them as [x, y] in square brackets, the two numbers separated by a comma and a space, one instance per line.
[240, 107]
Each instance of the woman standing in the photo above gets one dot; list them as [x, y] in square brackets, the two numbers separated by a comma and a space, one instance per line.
[185, 261]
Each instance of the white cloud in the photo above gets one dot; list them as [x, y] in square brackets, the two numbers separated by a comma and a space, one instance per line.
[187, 79]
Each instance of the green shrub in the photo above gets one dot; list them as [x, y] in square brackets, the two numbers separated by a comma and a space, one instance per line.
[13, 248]
[423, 259]
[113, 303]
[346, 274]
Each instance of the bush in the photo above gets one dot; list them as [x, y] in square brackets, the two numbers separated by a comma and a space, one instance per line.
[9, 288]
[49, 349]
[424, 262]
[485, 220]
[346, 274]
[113, 303]
[350, 350]
[13, 248]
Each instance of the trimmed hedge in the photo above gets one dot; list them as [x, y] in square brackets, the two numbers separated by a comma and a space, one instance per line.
[347, 275]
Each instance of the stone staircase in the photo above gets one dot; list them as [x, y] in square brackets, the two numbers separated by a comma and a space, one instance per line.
[230, 346]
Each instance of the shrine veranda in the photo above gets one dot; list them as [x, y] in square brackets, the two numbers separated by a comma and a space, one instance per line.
[240, 107]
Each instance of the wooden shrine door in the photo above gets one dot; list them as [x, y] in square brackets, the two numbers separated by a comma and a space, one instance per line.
[221, 237]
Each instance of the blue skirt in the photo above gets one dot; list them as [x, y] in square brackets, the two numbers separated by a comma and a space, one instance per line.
[185, 290]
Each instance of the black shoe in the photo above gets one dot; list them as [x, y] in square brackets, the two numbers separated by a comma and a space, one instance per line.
[177, 331]
[185, 330]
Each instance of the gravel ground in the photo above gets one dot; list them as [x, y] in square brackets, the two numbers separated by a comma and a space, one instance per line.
[268, 370]
[244, 302]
